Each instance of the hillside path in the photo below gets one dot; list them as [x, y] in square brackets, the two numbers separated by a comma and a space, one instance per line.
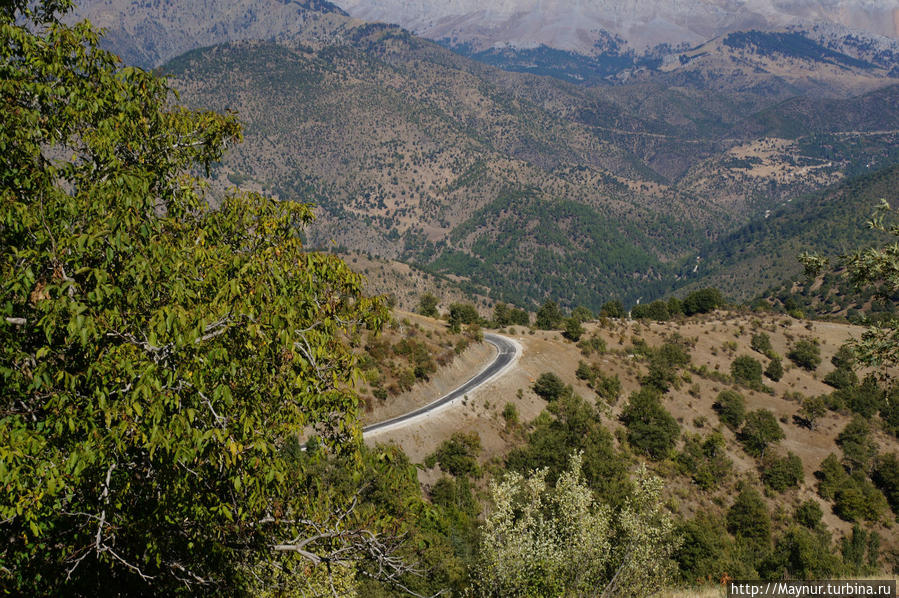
[508, 352]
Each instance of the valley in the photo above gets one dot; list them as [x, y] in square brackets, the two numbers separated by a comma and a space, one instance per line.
[393, 298]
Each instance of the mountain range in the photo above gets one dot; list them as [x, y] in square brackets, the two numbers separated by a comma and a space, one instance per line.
[519, 186]
[587, 26]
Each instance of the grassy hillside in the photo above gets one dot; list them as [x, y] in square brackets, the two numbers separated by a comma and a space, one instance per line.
[525, 420]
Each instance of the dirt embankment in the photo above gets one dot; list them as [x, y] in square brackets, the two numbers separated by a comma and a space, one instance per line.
[463, 367]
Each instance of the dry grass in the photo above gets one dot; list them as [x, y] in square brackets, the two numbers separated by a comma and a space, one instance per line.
[718, 340]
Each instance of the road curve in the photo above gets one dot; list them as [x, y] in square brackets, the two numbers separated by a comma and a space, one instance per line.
[508, 352]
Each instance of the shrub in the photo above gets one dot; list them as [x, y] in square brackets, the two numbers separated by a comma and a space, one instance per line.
[809, 513]
[731, 408]
[747, 370]
[806, 354]
[549, 386]
[510, 413]
[761, 342]
[459, 455]
[780, 473]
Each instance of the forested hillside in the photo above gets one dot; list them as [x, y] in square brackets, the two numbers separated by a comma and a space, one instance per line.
[765, 252]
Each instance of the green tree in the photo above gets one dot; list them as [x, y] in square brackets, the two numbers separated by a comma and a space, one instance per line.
[519, 317]
[462, 313]
[612, 309]
[760, 430]
[549, 316]
[801, 554]
[657, 310]
[858, 447]
[806, 354]
[809, 514]
[573, 330]
[781, 473]
[650, 428]
[704, 552]
[775, 369]
[705, 460]
[501, 315]
[156, 355]
[572, 424]
[458, 455]
[427, 305]
[813, 408]
[702, 301]
[581, 314]
[731, 408]
[877, 267]
[886, 478]
[748, 518]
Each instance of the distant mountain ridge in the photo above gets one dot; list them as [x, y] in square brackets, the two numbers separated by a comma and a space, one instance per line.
[146, 34]
[576, 25]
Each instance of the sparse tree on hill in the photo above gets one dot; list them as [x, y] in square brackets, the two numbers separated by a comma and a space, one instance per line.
[427, 305]
[573, 330]
[775, 369]
[806, 354]
[549, 386]
[501, 315]
[581, 314]
[760, 430]
[549, 316]
[612, 309]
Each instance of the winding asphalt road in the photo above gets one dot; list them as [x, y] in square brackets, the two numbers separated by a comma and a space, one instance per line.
[507, 352]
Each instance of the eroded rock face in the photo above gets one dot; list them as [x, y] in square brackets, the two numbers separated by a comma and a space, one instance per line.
[574, 24]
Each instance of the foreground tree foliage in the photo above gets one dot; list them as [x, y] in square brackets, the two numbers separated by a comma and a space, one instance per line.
[544, 541]
[157, 357]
